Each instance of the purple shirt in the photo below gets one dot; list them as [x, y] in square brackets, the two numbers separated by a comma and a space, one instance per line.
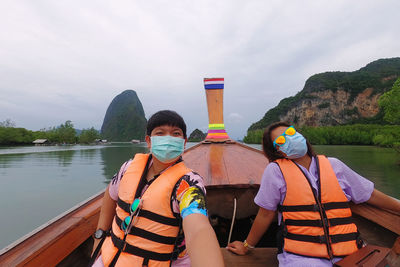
[273, 190]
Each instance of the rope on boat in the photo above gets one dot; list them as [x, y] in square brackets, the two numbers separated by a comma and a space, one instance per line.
[233, 220]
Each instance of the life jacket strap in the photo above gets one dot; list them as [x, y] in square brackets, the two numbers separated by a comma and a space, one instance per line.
[340, 221]
[321, 239]
[335, 205]
[149, 215]
[315, 223]
[146, 234]
[318, 223]
[313, 207]
[146, 254]
[344, 237]
[294, 208]
[123, 205]
[178, 251]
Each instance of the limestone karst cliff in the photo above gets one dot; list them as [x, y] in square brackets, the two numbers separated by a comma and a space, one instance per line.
[197, 136]
[335, 98]
[124, 119]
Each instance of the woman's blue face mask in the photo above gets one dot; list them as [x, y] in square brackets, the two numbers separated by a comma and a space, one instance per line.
[167, 148]
[295, 146]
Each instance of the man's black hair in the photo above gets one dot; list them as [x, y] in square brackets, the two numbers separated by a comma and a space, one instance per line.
[166, 117]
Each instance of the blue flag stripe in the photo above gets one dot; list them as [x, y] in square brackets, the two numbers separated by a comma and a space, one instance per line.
[214, 86]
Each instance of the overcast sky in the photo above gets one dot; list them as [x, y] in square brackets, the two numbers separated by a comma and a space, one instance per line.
[66, 60]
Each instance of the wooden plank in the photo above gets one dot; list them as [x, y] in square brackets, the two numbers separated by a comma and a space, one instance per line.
[195, 158]
[91, 209]
[372, 233]
[217, 169]
[258, 257]
[66, 243]
[35, 245]
[366, 256]
[387, 219]
[215, 105]
[244, 166]
[222, 164]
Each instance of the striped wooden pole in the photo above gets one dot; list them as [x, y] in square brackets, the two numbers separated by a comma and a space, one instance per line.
[215, 92]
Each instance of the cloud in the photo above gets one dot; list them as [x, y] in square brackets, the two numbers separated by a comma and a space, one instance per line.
[235, 117]
[64, 60]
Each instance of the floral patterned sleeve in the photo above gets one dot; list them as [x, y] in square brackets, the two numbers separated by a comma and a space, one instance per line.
[113, 187]
[189, 195]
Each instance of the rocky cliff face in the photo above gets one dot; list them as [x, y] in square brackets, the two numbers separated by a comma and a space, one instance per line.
[197, 136]
[124, 119]
[335, 98]
[333, 108]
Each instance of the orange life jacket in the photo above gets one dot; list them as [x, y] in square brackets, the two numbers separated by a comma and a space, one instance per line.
[316, 225]
[153, 237]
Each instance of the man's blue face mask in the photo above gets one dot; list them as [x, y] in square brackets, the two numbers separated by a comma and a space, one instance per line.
[167, 148]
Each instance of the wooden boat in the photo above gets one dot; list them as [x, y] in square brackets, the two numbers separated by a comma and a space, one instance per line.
[231, 171]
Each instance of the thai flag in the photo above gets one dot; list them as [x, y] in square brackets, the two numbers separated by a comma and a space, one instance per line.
[214, 83]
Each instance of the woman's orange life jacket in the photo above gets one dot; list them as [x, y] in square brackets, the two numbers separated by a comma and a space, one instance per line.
[153, 237]
[316, 225]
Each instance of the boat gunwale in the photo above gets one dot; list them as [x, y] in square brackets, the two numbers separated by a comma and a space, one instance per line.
[61, 217]
[386, 218]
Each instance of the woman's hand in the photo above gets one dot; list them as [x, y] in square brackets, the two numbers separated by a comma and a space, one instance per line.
[261, 223]
[237, 247]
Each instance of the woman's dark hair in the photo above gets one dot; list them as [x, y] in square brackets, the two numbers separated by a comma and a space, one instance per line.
[268, 145]
[166, 117]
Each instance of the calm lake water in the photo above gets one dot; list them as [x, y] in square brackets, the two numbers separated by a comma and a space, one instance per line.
[39, 183]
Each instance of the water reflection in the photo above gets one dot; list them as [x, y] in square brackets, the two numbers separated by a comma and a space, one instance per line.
[6, 160]
[64, 158]
[88, 154]
[113, 157]
[43, 182]
[380, 165]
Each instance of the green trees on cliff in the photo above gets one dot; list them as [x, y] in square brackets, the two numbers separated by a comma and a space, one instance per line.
[356, 134]
[197, 136]
[254, 136]
[390, 102]
[125, 119]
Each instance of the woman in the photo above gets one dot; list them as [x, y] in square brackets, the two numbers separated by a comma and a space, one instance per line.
[154, 208]
[311, 194]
